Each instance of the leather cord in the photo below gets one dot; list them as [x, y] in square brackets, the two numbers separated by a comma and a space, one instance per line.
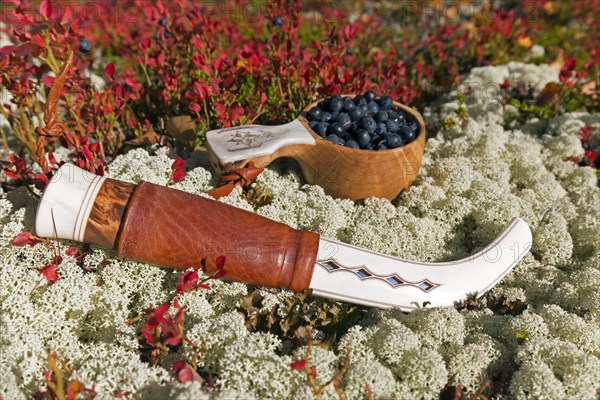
[54, 128]
[236, 177]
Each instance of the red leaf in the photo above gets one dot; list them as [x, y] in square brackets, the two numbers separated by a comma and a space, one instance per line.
[178, 164]
[590, 155]
[51, 158]
[26, 49]
[67, 16]
[10, 173]
[74, 389]
[189, 279]
[45, 9]
[26, 238]
[298, 365]
[200, 89]
[185, 372]
[204, 286]
[148, 336]
[50, 272]
[156, 317]
[178, 366]
[110, 70]
[74, 252]
[56, 260]
[186, 375]
[219, 274]
[40, 181]
[567, 70]
[18, 162]
[585, 133]
[87, 153]
[39, 41]
[172, 338]
[178, 175]
[194, 107]
[313, 372]
[569, 64]
[120, 92]
[176, 303]
[220, 262]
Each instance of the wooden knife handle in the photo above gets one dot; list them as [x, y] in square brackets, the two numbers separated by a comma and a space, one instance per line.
[171, 228]
[233, 147]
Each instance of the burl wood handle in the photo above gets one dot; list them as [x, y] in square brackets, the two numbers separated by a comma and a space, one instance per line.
[230, 148]
[171, 228]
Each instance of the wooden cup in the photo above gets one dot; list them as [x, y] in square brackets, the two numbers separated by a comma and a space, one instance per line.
[341, 171]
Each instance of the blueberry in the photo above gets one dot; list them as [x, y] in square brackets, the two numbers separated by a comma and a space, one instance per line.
[362, 137]
[368, 124]
[321, 128]
[413, 127]
[352, 144]
[381, 116]
[345, 120]
[393, 114]
[356, 113]
[385, 102]
[407, 133]
[399, 118]
[370, 95]
[162, 21]
[368, 146]
[312, 124]
[381, 147]
[277, 21]
[377, 140]
[325, 116]
[335, 129]
[392, 141]
[314, 114]
[381, 128]
[346, 136]
[348, 104]
[84, 46]
[364, 108]
[391, 125]
[336, 103]
[333, 137]
[167, 34]
[358, 99]
[372, 107]
[349, 51]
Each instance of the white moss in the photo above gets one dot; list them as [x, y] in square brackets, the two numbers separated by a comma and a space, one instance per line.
[536, 381]
[473, 180]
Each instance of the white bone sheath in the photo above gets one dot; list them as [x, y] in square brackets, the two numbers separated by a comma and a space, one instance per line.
[356, 275]
[341, 272]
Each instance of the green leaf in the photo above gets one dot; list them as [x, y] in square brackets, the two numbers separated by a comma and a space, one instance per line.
[522, 337]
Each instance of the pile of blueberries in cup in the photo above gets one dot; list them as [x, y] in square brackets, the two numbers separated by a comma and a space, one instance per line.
[363, 122]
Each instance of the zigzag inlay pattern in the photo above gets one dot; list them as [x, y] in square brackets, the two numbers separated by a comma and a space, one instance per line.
[363, 272]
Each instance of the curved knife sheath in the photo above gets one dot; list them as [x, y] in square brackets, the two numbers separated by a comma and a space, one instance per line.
[171, 228]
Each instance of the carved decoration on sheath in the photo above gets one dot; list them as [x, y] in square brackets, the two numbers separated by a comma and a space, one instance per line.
[333, 265]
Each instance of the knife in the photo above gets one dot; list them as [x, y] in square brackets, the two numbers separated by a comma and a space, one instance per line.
[175, 229]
